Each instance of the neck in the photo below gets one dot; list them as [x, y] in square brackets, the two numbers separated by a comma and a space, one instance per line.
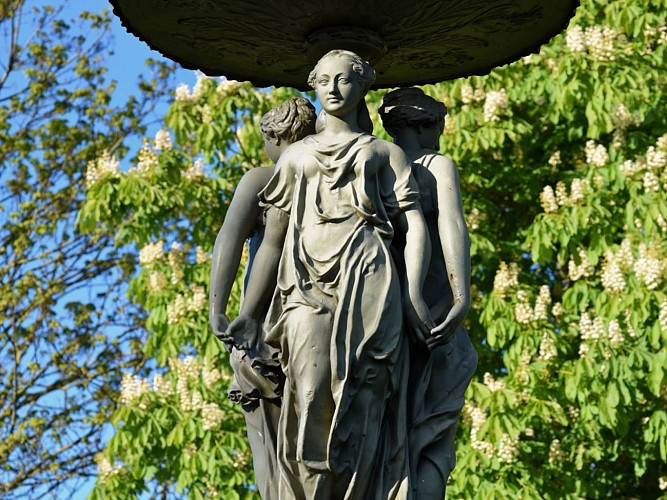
[342, 125]
[408, 140]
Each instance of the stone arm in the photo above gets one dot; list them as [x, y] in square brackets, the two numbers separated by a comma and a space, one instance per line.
[417, 253]
[240, 221]
[245, 330]
[455, 242]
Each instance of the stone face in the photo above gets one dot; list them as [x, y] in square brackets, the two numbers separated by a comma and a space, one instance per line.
[276, 42]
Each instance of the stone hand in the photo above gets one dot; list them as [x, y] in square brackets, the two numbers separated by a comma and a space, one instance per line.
[243, 332]
[444, 332]
[219, 324]
[418, 318]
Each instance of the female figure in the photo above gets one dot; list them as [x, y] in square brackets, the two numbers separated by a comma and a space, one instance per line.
[443, 363]
[258, 393]
[334, 202]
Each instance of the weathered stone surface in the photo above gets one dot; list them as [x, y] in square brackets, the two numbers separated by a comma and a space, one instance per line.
[276, 42]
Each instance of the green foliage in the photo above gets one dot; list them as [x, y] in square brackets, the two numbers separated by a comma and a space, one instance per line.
[563, 161]
[63, 343]
[179, 192]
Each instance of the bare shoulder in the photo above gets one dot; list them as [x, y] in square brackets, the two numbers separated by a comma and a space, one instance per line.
[253, 181]
[388, 149]
[444, 169]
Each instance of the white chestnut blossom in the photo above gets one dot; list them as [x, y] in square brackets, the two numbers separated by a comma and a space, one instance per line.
[162, 386]
[212, 416]
[508, 448]
[473, 219]
[629, 168]
[206, 115]
[541, 311]
[548, 199]
[523, 311]
[151, 253]
[661, 222]
[198, 299]
[183, 92]
[198, 89]
[575, 40]
[147, 158]
[226, 87]
[492, 383]
[495, 102]
[467, 93]
[596, 154]
[600, 43]
[648, 268]
[479, 94]
[201, 257]
[615, 333]
[105, 469]
[176, 310]
[557, 309]
[582, 270]
[662, 316]
[133, 389]
[573, 412]
[157, 281]
[651, 182]
[578, 189]
[175, 259]
[555, 452]
[477, 419]
[195, 169]
[661, 144]
[612, 277]
[547, 347]
[162, 140]
[210, 376]
[507, 277]
[554, 159]
[105, 165]
[561, 193]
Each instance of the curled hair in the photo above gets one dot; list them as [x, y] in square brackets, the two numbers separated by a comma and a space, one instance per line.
[363, 70]
[290, 121]
[410, 107]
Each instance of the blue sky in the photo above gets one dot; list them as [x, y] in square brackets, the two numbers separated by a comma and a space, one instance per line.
[124, 66]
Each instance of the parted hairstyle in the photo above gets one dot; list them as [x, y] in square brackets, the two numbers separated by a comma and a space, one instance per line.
[410, 107]
[290, 121]
[364, 71]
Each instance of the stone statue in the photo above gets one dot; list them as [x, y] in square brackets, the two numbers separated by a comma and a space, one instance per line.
[336, 317]
[442, 364]
[258, 393]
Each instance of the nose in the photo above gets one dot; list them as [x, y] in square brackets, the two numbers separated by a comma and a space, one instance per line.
[332, 87]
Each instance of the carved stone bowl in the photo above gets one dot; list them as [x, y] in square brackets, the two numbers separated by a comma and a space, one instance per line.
[276, 42]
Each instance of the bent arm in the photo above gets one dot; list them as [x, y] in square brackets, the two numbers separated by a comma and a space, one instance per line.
[417, 252]
[264, 272]
[246, 329]
[455, 241]
[239, 223]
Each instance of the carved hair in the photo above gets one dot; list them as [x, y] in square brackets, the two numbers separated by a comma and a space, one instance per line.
[290, 121]
[363, 70]
[410, 108]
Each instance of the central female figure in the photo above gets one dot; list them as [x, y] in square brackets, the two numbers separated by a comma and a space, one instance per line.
[337, 315]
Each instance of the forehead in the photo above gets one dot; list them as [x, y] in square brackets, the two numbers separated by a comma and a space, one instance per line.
[332, 66]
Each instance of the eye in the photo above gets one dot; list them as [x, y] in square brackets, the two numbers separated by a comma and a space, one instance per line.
[343, 80]
[323, 81]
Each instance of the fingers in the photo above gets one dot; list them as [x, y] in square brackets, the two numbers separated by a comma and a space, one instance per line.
[419, 334]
